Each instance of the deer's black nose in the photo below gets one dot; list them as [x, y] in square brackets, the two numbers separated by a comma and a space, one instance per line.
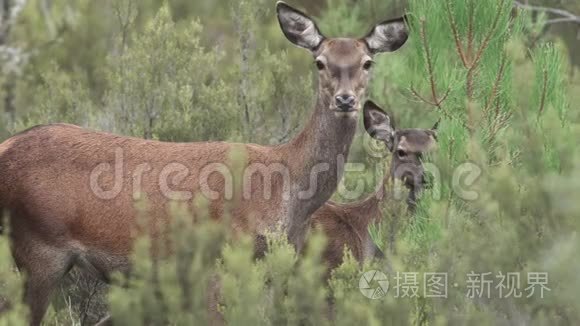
[345, 102]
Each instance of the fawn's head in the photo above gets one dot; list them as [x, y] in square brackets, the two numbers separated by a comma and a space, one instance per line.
[406, 145]
[343, 63]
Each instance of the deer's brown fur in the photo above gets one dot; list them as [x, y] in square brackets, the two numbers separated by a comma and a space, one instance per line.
[57, 221]
[346, 227]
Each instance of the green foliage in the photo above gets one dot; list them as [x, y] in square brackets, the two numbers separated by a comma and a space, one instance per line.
[490, 118]
[200, 70]
[242, 285]
[463, 57]
[59, 99]
[279, 264]
[279, 289]
[164, 288]
[12, 310]
[549, 83]
[351, 310]
[305, 302]
[271, 100]
[166, 75]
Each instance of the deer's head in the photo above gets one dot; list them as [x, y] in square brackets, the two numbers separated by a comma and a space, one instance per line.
[343, 63]
[406, 145]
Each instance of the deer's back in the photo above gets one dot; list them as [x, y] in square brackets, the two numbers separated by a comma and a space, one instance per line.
[59, 181]
[340, 234]
[346, 226]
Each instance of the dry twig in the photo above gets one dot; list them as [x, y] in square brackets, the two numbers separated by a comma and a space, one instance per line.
[565, 16]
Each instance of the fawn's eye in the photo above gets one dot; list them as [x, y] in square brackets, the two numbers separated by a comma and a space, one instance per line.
[368, 65]
[320, 65]
[401, 153]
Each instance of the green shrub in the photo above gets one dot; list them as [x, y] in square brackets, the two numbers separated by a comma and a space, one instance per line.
[12, 310]
[504, 109]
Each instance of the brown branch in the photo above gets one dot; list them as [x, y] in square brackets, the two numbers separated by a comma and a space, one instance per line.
[414, 91]
[444, 96]
[544, 91]
[435, 100]
[565, 16]
[470, 29]
[470, 118]
[458, 45]
[429, 63]
[504, 119]
[487, 38]
[495, 87]
[438, 104]
[496, 111]
[498, 122]
[495, 122]
[476, 60]
[563, 20]
[469, 86]
[499, 119]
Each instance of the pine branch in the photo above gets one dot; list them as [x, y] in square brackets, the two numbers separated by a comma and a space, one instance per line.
[437, 104]
[470, 20]
[544, 92]
[429, 64]
[487, 38]
[435, 100]
[499, 122]
[495, 88]
[458, 45]
[421, 98]
[484, 44]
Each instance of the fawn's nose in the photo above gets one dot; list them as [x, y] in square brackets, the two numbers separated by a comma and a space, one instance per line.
[415, 180]
[345, 102]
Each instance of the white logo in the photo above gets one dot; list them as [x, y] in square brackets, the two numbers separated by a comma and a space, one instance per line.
[368, 284]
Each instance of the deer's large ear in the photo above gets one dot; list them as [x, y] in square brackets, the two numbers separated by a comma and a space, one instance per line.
[434, 129]
[436, 125]
[387, 36]
[298, 27]
[379, 124]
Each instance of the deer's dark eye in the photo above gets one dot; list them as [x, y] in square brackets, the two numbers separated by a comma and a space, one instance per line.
[368, 65]
[401, 153]
[320, 65]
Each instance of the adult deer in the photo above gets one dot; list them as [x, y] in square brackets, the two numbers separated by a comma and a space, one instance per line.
[346, 225]
[70, 191]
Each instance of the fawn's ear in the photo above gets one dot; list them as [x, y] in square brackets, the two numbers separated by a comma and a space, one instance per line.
[434, 129]
[436, 125]
[379, 124]
[298, 27]
[387, 36]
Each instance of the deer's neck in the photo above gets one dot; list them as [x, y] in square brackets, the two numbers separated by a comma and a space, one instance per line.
[317, 155]
[369, 209]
